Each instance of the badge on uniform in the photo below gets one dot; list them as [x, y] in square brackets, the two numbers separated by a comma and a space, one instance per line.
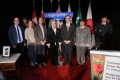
[100, 30]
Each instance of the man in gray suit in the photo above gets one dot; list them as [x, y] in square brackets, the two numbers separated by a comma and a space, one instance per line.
[67, 33]
[40, 36]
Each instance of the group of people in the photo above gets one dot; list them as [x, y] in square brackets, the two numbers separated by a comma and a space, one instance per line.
[36, 37]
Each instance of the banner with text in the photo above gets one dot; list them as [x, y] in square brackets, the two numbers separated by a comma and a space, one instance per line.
[105, 65]
[58, 16]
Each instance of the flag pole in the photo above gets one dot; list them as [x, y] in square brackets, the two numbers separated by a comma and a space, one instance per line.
[90, 1]
[33, 3]
[42, 4]
[79, 2]
[51, 2]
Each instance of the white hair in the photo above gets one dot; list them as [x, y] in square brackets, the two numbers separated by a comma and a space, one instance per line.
[52, 20]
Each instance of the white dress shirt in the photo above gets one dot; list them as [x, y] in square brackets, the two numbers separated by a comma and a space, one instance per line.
[68, 24]
[42, 31]
[20, 32]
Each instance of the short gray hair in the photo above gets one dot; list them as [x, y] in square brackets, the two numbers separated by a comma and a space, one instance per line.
[52, 20]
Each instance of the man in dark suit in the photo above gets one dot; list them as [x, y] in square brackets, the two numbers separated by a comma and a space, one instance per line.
[68, 34]
[17, 39]
[103, 32]
[40, 36]
[53, 42]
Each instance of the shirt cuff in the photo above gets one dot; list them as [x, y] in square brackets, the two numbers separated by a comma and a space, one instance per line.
[60, 43]
[48, 44]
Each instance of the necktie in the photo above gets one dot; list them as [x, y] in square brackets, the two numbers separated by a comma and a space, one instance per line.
[18, 34]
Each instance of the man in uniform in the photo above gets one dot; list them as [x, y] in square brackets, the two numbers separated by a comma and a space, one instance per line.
[103, 31]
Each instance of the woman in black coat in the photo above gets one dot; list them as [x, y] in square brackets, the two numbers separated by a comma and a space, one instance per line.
[53, 42]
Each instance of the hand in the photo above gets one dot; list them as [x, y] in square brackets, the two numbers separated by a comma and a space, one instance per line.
[87, 45]
[74, 43]
[24, 44]
[32, 43]
[42, 42]
[69, 41]
[59, 45]
[48, 46]
[14, 46]
[65, 41]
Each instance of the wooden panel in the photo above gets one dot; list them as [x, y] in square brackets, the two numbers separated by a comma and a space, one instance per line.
[8, 66]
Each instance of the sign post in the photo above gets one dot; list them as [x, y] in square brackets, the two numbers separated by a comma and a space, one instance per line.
[105, 65]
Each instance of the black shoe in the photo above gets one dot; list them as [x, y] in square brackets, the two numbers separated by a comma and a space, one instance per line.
[82, 65]
[70, 64]
[64, 64]
[57, 65]
[77, 64]
[23, 65]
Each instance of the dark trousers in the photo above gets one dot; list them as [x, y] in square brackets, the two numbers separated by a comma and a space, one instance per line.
[67, 52]
[41, 53]
[20, 49]
[32, 54]
[54, 55]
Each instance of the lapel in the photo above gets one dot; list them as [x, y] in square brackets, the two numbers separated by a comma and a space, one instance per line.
[69, 27]
[14, 30]
[44, 29]
[54, 32]
[21, 29]
[39, 28]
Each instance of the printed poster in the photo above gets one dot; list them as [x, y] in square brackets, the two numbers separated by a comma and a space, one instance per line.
[105, 67]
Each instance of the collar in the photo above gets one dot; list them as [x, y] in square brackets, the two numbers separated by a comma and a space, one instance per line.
[16, 25]
[104, 23]
[54, 29]
[40, 25]
[67, 23]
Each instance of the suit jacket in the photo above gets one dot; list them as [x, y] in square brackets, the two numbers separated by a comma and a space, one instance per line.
[83, 36]
[52, 37]
[103, 32]
[12, 35]
[39, 35]
[68, 35]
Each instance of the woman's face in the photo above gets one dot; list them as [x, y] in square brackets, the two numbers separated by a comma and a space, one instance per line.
[82, 23]
[53, 24]
[30, 24]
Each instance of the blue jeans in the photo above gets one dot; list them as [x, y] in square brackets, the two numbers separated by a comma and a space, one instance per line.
[32, 54]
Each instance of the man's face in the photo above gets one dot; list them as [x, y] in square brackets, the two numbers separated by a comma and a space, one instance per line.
[24, 20]
[40, 21]
[16, 21]
[67, 19]
[104, 20]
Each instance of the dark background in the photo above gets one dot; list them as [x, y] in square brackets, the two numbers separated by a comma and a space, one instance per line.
[23, 8]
